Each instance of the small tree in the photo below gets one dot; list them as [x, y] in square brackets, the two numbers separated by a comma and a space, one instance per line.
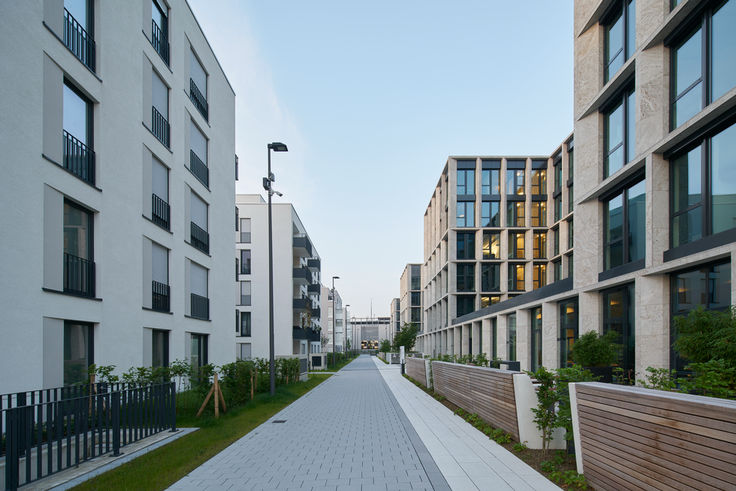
[592, 350]
[385, 346]
[406, 337]
[705, 335]
[545, 414]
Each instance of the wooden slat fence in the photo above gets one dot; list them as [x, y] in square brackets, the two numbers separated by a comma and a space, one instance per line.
[415, 369]
[635, 438]
[488, 392]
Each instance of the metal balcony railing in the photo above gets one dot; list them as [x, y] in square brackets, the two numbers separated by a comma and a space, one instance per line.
[200, 239]
[160, 126]
[245, 237]
[200, 307]
[159, 40]
[199, 168]
[78, 40]
[79, 275]
[160, 297]
[79, 159]
[160, 211]
[198, 99]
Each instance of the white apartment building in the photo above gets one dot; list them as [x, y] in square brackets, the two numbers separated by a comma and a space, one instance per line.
[296, 282]
[117, 230]
[340, 320]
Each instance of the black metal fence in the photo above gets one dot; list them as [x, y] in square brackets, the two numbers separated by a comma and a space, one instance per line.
[79, 159]
[79, 275]
[199, 168]
[200, 238]
[78, 40]
[200, 306]
[46, 431]
[160, 211]
[160, 296]
[160, 41]
[198, 99]
[160, 126]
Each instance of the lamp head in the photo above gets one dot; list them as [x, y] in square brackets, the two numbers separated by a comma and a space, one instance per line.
[278, 147]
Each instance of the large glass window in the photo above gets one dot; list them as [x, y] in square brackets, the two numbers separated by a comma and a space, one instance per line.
[620, 128]
[466, 245]
[620, 37]
[557, 203]
[536, 339]
[245, 261]
[624, 227]
[516, 277]
[568, 329]
[159, 348]
[78, 266]
[515, 181]
[557, 269]
[515, 213]
[490, 277]
[465, 304]
[245, 292]
[490, 216]
[465, 182]
[539, 245]
[571, 231]
[618, 316]
[539, 276]
[516, 245]
[77, 115]
[539, 182]
[198, 351]
[465, 277]
[78, 351]
[708, 286]
[511, 337]
[245, 326]
[539, 213]
[491, 245]
[702, 63]
[465, 214]
[555, 241]
[490, 184]
[494, 338]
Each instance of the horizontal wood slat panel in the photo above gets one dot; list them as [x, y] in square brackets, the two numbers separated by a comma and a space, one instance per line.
[633, 438]
[415, 369]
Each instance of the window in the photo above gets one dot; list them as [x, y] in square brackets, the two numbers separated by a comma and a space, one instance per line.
[515, 214]
[624, 227]
[558, 174]
[199, 236]
[416, 299]
[245, 293]
[516, 277]
[489, 214]
[539, 245]
[618, 316]
[570, 199]
[160, 209]
[465, 277]
[487, 300]
[79, 30]
[491, 245]
[199, 301]
[79, 266]
[244, 351]
[708, 286]
[466, 182]
[245, 261]
[571, 233]
[416, 273]
[78, 351]
[494, 337]
[557, 269]
[511, 337]
[539, 182]
[620, 126]
[160, 298]
[620, 37]
[465, 304]
[557, 203]
[539, 276]
[702, 63]
[198, 351]
[516, 245]
[490, 277]
[570, 265]
[702, 187]
[465, 214]
[539, 213]
[160, 109]
[515, 181]
[568, 330]
[555, 241]
[160, 29]
[159, 348]
[570, 160]
[244, 324]
[78, 155]
[466, 245]
[536, 339]
[416, 315]
[490, 184]
[198, 85]
[245, 230]
[198, 154]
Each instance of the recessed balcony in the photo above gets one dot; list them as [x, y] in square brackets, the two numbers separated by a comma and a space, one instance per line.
[198, 99]
[314, 265]
[302, 246]
[302, 304]
[302, 276]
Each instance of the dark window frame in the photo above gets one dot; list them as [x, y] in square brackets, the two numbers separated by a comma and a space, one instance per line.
[536, 339]
[465, 277]
[619, 10]
[623, 192]
[619, 99]
[563, 337]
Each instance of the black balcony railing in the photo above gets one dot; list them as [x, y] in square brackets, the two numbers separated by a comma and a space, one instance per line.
[79, 159]
[78, 40]
[79, 275]
[160, 297]
[199, 100]
[199, 168]
[160, 210]
[245, 237]
[200, 238]
[200, 307]
[160, 41]
[160, 126]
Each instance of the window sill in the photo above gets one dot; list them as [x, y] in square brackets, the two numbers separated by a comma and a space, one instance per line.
[157, 225]
[197, 318]
[68, 294]
[617, 82]
[700, 245]
[157, 53]
[149, 309]
[49, 159]
[94, 74]
[621, 270]
[243, 336]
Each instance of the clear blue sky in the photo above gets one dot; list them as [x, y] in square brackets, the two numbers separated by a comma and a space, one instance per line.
[372, 97]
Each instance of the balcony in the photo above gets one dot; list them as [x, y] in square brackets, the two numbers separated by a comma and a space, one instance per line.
[245, 300]
[314, 289]
[160, 212]
[302, 276]
[79, 159]
[302, 246]
[160, 296]
[305, 333]
[159, 40]
[199, 168]
[198, 99]
[245, 237]
[200, 307]
[316, 313]
[78, 40]
[79, 276]
[160, 126]
[314, 265]
[200, 239]
[302, 304]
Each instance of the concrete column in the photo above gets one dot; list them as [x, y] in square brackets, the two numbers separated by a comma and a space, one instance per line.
[550, 332]
[465, 341]
[523, 342]
[477, 338]
[652, 323]
[485, 330]
[502, 331]
[589, 313]
[457, 339]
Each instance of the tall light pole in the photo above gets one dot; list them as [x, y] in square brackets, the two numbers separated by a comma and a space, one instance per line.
[345, 328]
[267, 185]
[334, 314]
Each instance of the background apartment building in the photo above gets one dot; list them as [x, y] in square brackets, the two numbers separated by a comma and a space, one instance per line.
[296, 282]
[395, 318]
[410, 297]
[120, 197]
[335, 309]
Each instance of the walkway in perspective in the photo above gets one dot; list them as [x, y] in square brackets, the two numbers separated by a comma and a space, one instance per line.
[347, 433]
[467, 458]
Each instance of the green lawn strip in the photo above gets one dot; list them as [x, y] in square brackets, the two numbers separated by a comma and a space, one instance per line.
[340, 365]
[164, 466]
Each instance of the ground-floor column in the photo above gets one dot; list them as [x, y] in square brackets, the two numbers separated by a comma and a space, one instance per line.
[652, 323]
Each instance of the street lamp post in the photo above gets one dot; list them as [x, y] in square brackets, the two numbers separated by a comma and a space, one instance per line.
[268, 186]
[334, 314]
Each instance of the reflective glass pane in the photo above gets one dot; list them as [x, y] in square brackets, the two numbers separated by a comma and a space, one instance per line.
[687, 105]
[630, 29]
[636, 218]
[160, 95]
[197, 142]
[687, 63]
[686, 180]
[76, 352]
[687, 227]
[77, 232]
[630, 127]
[615, 46]
[198, 279]
[75, 115]
[723, 180]
[723, 49]
[198, 74]
[495, 214]
[614, 219]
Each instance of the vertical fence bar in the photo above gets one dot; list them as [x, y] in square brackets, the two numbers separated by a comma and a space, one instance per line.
[115, 410]
[39, 439]
[49, 435]
[11, 449]
[172, 404]
[27, 430]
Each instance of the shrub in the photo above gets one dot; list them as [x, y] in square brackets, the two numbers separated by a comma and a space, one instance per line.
[659, 379]
[545, 415]
[714, 378]
[385, 346]
[592, 350]
[705, 335]
[481, 360]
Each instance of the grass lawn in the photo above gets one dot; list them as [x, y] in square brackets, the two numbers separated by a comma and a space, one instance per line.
[340, 365]
[166, 465]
